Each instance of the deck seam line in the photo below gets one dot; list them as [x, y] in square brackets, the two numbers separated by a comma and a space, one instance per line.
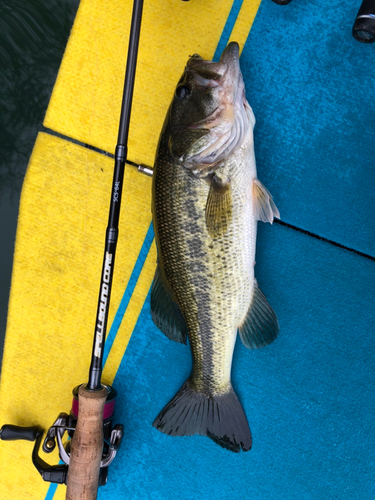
[282, 223]
[322, 238]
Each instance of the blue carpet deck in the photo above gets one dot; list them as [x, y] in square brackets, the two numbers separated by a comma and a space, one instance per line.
[309, 397]
[312, 88]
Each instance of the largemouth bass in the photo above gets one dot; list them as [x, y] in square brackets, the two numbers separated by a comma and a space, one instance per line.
[206, 201]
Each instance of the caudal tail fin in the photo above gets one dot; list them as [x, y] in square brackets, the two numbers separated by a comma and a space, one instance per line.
[219, 417]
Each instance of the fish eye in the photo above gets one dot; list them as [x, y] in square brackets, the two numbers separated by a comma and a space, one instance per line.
[182, 91]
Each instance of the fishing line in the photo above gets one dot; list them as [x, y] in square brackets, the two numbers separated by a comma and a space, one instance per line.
[282, 223]
[322, 238]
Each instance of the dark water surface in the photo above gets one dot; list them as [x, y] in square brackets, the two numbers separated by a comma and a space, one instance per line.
[33, 36]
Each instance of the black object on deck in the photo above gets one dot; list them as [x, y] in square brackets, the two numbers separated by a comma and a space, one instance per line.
[364, 24]
[282, 2]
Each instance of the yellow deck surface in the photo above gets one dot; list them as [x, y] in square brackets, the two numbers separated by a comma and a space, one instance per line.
[64, 209]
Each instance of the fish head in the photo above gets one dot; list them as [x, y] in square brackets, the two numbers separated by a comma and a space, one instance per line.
[209, 116]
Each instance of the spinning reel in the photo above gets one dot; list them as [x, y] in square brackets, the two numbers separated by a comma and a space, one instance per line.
[66, 423]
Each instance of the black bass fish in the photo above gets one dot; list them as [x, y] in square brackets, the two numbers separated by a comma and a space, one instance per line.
[206, 201]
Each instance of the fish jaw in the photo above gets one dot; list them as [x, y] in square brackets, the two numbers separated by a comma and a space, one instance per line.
[209, 117]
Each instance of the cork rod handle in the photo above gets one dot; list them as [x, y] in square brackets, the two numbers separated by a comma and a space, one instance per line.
[87, 446]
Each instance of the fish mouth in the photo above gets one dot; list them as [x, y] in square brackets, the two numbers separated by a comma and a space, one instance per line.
[228, 122]
[231, 56]
[211, 74]
[226, 77]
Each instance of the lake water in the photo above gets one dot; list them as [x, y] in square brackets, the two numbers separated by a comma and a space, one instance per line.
[33, 36]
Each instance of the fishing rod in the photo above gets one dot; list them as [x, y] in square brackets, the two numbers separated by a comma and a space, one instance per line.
[94, 442]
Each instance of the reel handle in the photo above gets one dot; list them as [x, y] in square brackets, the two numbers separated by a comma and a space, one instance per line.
[15, 432]
[87, 446]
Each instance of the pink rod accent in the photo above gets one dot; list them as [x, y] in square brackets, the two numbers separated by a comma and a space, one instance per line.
[109, 408]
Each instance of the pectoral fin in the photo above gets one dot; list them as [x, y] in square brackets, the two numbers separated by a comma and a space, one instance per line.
[260, 326]
[219, 206]
[165, 312]
[264, 206]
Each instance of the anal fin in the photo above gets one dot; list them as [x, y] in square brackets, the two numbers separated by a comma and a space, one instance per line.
[260, 326]
[165, 312]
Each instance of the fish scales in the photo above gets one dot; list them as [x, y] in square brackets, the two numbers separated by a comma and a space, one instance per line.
[205, 227]
[210, 282]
